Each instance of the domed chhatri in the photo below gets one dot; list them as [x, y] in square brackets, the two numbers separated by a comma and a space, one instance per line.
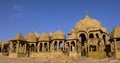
[44, 37]
[88, 24]
[19, 37]
[31, 37]
[59, 35]
[87, 38]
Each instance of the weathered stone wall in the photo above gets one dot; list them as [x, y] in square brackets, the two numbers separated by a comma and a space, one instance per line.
[46, 54]
[97, 54]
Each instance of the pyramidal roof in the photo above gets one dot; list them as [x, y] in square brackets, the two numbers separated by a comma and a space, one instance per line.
[44, 37]
[31, 34]
[19, 37]
[59, 32]
[37, 34]
[116, 32]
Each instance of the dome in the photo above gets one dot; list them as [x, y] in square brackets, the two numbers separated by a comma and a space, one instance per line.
[31, 37]
[88, 23]
[44, 37]
[73, 36]
[37, 34]
[19, 37]
[58, 35]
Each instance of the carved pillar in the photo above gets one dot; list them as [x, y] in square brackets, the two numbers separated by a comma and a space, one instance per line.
[43, 47]
[75, 46]
[115, 47]
[11, 47]
[57, 45]
[52, 46]
[63, 45]
[17, 47]
[25, 48]
[38, 47]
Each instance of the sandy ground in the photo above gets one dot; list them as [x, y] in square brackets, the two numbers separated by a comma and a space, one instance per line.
[57, 60]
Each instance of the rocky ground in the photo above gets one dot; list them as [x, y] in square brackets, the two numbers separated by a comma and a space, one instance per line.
[57, 60]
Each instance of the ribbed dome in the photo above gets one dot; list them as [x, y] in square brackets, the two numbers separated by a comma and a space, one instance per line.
[44, 37]
[58, 35]
[31, 37]
[88, 23]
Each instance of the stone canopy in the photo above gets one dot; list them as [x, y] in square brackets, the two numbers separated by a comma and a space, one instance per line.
[88, 24]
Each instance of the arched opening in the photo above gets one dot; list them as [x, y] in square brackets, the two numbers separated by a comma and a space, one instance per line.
[40, 47]
[60, 45]
[5, 48]
[46, 47]
[97, 35]
[55, 46]
[91, 35]
[104, 39]
[32, 48]
[83, 39]
[28, 50]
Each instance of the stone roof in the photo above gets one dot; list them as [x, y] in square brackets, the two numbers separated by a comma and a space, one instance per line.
[88, 22]
[44, 37]
[115, 33]
[19, 37]
[59, 32]
[59, 35]
[72, 36]
[31, 37]
[37, 34]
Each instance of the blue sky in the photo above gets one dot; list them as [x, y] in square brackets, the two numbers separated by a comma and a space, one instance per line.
[49, 15]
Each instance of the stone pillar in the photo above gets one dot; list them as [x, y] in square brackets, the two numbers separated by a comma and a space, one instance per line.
[2, 47]
[63, 45]
[52, 46]
[88, 45]
[38, 47]
[11, 47]
[43, 47]
[75, 46]
[48, 46]
[25, 48]
[115, 47]
[57, 45]
[69, 46]
[17, 47]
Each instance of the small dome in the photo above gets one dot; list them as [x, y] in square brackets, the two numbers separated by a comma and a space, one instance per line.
[58, 35]
[44, 37]
[51, 34]
[19, 37]
[37, 34]
[31, 37]
[72, 36]
[88, 23]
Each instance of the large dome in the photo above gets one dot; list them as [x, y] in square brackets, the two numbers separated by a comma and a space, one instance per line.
[88, 23]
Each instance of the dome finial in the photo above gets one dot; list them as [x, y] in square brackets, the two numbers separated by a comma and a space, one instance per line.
[86, 13]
